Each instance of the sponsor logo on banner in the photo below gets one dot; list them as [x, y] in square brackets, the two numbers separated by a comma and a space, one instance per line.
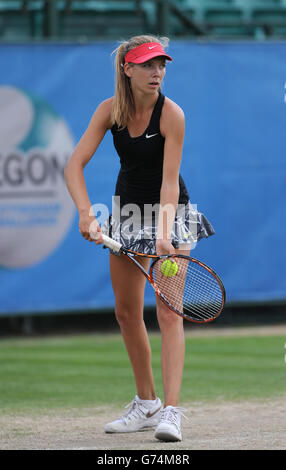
[35, 208]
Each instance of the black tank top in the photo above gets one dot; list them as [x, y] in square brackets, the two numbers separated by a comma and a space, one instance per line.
[140, 177]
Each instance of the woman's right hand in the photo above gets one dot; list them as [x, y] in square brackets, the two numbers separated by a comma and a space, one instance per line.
[90, 228]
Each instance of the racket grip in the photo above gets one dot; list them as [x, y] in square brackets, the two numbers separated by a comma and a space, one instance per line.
[112, 244]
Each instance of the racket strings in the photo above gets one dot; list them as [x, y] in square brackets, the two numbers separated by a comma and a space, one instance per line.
[193, 290]
[190, 302]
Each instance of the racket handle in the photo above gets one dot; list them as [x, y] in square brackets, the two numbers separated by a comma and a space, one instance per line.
[112, 244]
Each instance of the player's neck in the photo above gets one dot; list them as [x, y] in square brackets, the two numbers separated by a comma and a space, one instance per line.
[144, 102]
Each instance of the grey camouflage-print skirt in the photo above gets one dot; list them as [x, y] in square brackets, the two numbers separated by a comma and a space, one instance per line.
[139, 233]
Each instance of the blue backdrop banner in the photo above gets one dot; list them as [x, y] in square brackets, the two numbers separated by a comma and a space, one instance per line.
[234, 99]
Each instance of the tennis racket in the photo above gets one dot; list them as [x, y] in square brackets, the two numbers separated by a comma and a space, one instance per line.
[187, 286]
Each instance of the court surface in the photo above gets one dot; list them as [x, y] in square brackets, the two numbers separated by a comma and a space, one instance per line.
[218, 424]
[243, 426]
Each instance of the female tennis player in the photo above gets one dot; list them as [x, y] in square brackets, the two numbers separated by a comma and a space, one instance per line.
[148, 132]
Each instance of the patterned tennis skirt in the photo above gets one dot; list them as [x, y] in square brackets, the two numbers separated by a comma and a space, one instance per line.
[138, 233]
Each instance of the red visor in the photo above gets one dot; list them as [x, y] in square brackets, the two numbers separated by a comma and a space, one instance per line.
[145, 52]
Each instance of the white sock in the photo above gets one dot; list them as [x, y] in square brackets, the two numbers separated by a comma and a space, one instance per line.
[147, 402]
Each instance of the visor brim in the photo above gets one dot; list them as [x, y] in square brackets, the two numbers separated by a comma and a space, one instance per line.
[149, 56]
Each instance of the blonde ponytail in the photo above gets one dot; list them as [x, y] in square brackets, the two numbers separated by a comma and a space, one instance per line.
[123, 103]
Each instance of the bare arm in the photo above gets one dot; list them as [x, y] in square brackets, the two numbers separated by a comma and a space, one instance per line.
[85, 149]
[173, 129]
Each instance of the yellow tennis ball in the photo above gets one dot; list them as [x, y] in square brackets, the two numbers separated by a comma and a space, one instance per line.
[169, 268]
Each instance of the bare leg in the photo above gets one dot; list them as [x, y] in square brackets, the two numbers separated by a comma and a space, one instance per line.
[129, 285]
[173, 350]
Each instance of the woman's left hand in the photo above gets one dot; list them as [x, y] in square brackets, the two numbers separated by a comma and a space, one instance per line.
[164, 247]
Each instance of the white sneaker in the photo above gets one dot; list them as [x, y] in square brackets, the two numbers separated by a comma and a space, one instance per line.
[169, 427]
[141, 414]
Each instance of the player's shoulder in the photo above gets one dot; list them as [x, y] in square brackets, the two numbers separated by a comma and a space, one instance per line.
[172, 118]
[107, 103]
[172, 109]
[106, 106]
[104, 111]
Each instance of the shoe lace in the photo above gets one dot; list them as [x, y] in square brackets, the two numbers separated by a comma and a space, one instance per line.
[135, 409]
[171, 415]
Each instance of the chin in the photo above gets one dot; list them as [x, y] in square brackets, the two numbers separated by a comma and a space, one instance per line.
[152, 91]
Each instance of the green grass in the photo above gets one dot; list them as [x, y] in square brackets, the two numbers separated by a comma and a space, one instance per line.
[82, 371]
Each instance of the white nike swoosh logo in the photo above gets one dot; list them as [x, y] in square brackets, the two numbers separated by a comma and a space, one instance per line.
[151, 47]
[151, 135]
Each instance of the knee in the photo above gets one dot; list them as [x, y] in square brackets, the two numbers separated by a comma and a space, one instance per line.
[168, 319]
[125, 314]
